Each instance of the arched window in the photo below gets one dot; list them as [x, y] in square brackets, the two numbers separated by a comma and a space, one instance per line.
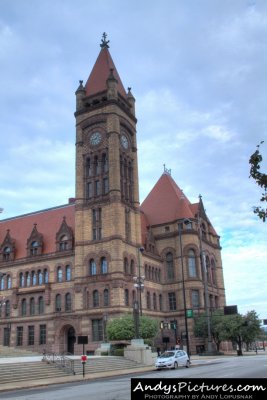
[132, 267]
[125, 266]
[28, 279]
[106, 298]
[160, 302]
[148, 301]
[58, 302]
[40, 277]
[68, 273]
[2, 283]
[92, 267]
[63, 243]
[34, 279]
[213, 272]
[154, 301]
[32, 306]
[41, 305]
[192, 268]
[6, 253]
[59, 274]
[46, 276]
[105, 163]
[7, 314]
[170, 266]
[67, 302]
[146, 271]
[104, 265]
[23, 307]
[34, 248]
[9, 282]
[95, 298]
[21, 280]
[89, 170]
[126, 297]
[208, 269]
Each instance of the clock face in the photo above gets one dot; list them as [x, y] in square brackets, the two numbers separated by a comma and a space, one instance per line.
[124, 142]
[95, 138]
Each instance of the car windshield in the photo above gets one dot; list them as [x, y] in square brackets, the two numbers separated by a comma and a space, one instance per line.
[167, 354]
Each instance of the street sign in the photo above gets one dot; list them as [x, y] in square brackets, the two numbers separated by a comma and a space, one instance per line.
[229, 310]
[82, 339]
[189, 313]
[83, 358]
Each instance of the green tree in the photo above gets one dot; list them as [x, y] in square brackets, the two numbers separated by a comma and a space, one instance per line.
[123, 328]
[261, 180]
[216, 327]
[236, 328]
[242, 329]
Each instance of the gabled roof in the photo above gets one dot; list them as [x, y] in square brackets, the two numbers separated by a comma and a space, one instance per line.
[166, 202]
[47, 222]
[96, 82]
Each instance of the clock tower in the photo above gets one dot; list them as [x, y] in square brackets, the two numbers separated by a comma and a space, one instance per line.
[107, 217]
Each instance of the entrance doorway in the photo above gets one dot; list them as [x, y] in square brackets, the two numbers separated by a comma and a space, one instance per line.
[71, 339]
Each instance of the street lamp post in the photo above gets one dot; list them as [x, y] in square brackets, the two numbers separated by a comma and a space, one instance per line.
[139, 281]
[186, 222]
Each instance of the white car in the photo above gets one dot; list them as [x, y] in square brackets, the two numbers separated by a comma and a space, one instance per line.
[173, 359]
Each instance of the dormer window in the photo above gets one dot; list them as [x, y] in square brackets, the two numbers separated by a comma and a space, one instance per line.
[64, 237]
[35, 243]
[34, 248]
[7, 248]
[63, 244]
[6, 253]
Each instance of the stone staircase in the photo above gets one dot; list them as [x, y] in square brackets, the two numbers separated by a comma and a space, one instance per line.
[6, 351]
[38, 370]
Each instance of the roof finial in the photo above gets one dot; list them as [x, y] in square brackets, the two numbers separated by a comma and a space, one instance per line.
[166, 170]
[104, 42]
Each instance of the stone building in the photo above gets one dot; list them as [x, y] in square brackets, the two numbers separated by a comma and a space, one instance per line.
[67, 270]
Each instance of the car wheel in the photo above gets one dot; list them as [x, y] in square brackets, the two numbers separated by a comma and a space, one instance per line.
[187, 365]
[175, 366]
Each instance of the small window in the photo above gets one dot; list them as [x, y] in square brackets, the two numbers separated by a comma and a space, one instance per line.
[126, 297]
[92, 267]
[95, 298]
[7, 314]
[195, 299]
[23, 308]
[106, 298]
[58, 303]
[59, 275]
[68, 302]
[40, 277]
[9, 282]
[34, 248]
[172, 301]
[68, 273]
[104, 265]
[32, 306]
[41, 305]
[63, 244]
[192, 269]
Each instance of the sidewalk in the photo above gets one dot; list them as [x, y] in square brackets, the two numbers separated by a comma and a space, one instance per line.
[98, 375]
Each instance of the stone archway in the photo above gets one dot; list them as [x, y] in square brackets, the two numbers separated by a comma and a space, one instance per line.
[71, 339]
[67, 339]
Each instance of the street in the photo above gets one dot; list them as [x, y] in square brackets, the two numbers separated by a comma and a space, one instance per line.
[119, 388]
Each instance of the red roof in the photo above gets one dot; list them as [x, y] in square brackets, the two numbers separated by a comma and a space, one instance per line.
[166, 202]
[48, 223]
[97, 80]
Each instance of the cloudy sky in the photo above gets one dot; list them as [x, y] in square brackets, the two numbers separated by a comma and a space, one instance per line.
[197, 69]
